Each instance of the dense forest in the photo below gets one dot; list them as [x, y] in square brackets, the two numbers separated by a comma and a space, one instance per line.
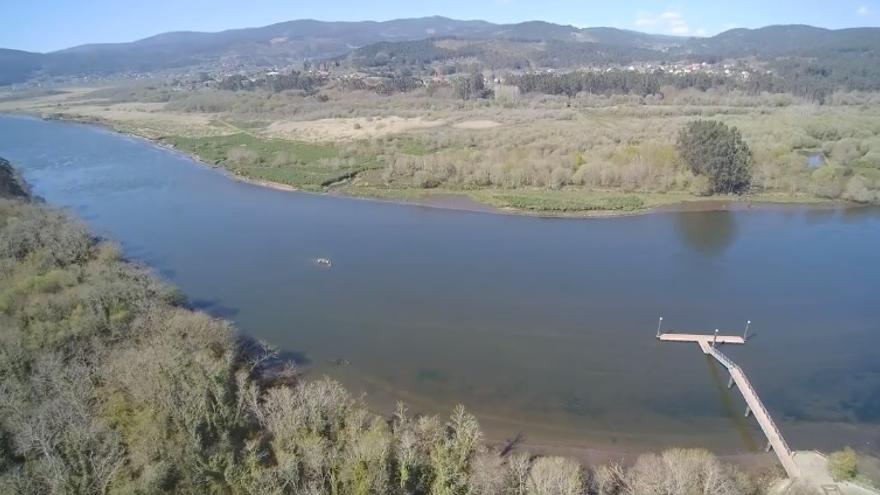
[110, 384]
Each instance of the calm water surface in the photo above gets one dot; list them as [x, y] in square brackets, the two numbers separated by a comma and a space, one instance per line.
[541, 326]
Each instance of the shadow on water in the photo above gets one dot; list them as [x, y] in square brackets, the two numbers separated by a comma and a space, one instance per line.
[512, 443]
[214, 308]
[167, 273]
[859, 213]
[818, 216]
[299, 358]
[252, 346]
[725, 395]
[707, 233]
[432, 375]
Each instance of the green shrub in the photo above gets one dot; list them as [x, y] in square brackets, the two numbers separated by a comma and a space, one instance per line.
[843, 464]
[59, 240]
[682, 472]
[700, 186]
[856, 190]
[555, 476]
[827, 181]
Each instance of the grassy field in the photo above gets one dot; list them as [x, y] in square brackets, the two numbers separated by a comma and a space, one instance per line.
[539, 154]
[216, 149]
[309, 166]
[566, 201]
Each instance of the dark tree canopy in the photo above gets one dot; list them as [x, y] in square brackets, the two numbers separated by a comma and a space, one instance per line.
[276, 82]
[717, 152]
[471, 86]
[11, 184]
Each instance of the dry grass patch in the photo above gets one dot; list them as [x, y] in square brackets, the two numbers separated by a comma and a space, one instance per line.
[147, 119]
[26, 103]
[477, 124]
[337, 129]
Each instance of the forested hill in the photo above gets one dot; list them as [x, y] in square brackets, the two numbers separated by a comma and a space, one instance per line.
[785, 40]
[292, 42]
[18, 66]
[288, 42]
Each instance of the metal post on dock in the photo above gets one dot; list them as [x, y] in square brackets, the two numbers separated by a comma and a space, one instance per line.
[659, 324]
[715, 338]
[746, 332]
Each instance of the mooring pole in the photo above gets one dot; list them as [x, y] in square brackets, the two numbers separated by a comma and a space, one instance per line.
[746, 332]
[659, 324]
[730, 382]
[748, 411]
[769, 446]
[715, 338]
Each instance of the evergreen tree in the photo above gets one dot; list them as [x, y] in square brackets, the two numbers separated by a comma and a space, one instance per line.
[717, 152]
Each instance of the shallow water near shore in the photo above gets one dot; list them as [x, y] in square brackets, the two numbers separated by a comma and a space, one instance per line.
[541, 326]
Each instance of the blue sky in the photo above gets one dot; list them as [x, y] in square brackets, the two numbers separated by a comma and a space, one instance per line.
[45, 25]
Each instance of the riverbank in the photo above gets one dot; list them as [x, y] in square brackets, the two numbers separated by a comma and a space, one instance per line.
[587, 204]
[160, 388]
[557, 351]
[567, 202]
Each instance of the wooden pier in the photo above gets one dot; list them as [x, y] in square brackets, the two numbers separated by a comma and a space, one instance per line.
[690, 337]
[709, 345]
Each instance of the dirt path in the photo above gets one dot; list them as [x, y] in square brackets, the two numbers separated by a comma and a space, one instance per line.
[815, 476]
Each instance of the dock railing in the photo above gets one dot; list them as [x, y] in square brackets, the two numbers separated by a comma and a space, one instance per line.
[708, 344]
[748, 390]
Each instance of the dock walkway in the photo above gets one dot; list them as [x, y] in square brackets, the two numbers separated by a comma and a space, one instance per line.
[690, 337]
[708, 344]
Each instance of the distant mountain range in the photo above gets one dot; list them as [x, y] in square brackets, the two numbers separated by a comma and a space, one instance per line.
[294, 41]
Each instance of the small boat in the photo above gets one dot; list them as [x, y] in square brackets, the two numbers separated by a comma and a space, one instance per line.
[325, 262]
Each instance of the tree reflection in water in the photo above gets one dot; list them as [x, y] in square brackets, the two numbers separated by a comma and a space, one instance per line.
[708, 233]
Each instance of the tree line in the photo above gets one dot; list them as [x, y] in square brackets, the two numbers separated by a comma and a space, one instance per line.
[275, 82]
[809, 79]
[628, 82]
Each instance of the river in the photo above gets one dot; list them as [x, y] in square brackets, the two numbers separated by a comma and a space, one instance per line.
[542, 327]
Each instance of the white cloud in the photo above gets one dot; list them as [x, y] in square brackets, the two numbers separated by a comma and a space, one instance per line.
[863, 10]
[669, 22]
